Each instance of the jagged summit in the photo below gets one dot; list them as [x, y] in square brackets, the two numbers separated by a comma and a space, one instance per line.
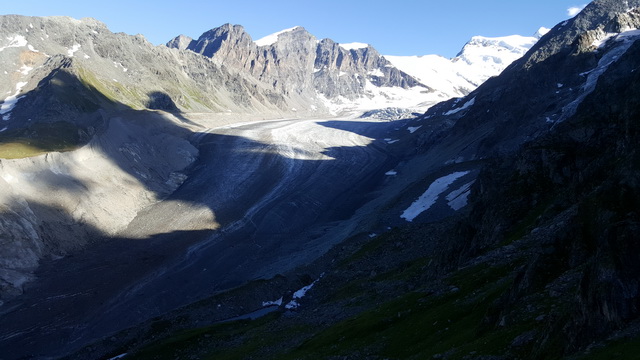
[339, 76]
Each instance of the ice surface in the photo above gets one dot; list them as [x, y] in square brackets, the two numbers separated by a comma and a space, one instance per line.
[273, 38]
[375, 97]
[430, 196]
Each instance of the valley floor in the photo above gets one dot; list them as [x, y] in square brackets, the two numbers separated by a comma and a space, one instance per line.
[262, 198]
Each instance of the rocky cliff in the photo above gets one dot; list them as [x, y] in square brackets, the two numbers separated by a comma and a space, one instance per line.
[295, 63]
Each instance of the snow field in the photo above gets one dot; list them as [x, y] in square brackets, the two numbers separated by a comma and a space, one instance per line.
[424, 202]
[273, 38]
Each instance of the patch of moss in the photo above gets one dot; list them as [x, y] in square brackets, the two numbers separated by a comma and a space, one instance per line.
[39, 139]
[113, 91]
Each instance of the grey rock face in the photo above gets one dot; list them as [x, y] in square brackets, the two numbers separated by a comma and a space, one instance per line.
[180, 42]
[297, 63]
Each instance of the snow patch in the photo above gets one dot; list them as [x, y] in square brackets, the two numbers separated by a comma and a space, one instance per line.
[354, 46]
[119, 65]
[599, 43]
[11, 102]
[459, 198]
[118, 357]
[466, 105]
[25, 70]
[623, 42]
[15, 41]
[430, 196]
[273, 38]
[541, 32]
[294, 304]
[272, 303]
[575, 10]
[413, 129]
[376, 72]
[73, 50]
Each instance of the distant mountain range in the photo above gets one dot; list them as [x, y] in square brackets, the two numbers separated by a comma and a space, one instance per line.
[480, 59]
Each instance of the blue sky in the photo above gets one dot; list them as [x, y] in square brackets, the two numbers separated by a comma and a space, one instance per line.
[394, 27]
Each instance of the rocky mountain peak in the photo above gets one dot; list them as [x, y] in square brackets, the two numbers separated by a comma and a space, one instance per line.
[221, 41]
[181, 42]
[294, 62]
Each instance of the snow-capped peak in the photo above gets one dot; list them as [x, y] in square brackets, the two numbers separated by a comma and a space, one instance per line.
[271, 39]
[541, 32]
[481, 58]
[514, 43]
[354, 46]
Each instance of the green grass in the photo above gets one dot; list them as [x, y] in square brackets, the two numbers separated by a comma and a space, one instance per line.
[419, 325]
[39, 139]
[195, 340]
[414, 325]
